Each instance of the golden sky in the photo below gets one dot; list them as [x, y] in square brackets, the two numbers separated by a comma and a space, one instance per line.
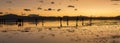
[83, 7]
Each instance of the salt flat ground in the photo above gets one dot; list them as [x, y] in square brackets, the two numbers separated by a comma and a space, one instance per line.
[83, 34]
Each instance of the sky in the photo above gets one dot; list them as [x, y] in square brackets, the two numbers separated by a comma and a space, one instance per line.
[61, 7]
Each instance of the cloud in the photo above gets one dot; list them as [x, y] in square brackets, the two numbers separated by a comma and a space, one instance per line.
[52, 2]
[1, 12]
[115, 0]
[71, 6]
[58, 9]
[39, 8]
[27, 10]
[8, 1]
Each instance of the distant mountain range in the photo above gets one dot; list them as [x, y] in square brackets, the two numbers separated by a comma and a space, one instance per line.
[32, 17]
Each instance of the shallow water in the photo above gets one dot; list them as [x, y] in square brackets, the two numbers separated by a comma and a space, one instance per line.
[57, 23]
[102, 31]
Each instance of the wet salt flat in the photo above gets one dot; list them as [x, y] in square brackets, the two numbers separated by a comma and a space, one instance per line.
[82, 34]
[103, 31]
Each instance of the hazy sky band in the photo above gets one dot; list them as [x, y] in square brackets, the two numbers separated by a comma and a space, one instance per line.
[81, 7]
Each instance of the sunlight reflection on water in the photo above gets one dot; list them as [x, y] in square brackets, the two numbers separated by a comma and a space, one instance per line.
[51, 33]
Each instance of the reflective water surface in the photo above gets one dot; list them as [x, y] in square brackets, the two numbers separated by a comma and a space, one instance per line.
[101, 31]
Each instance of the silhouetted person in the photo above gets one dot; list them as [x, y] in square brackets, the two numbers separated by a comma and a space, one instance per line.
[77, 21]
[90, 21]
[36, 20]
[67, 21]
[60, 22]
[2, 21]
[16, 22]
[20, 22]
[82, 21]
[42, 21]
